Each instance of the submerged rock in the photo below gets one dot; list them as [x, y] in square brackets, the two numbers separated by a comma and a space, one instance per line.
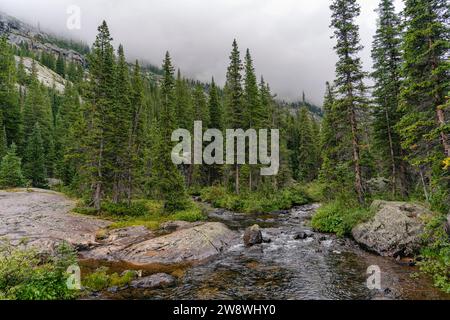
[252, 236]
[395, 230]
[154, 281]
[303, 235]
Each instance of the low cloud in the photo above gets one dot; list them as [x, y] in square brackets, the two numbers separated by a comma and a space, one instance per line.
[289, 39]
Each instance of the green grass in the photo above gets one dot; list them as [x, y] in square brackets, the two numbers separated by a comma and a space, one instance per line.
[256, 202]
[340, 216]
[101, 279]
[148, 213]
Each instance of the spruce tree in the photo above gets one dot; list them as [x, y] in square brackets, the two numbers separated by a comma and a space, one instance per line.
[61, 66]
[215, 108]
[165, 175]
[9, 99]
[10, 170]
[350, 89]
[306, 148]
[34, 160]
[252, 105]
[425, 70]
[386, 54]
[101, 96]
[3, 142]
[184, 104]
[138, 135]
[424, 127]
[216, 122]
[117, 135]
[234, 100]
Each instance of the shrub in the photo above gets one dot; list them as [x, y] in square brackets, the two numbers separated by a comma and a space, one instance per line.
[435, 257]
[190, 215]
[135, 209]
[24, 275]
[339, 217]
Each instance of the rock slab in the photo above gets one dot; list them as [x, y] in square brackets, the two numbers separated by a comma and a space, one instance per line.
[42, 219]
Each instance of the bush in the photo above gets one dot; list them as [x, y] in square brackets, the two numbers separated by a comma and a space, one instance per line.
[190, 215]
[135, 209]
[339, 217]
[24, 275]
[435, 257]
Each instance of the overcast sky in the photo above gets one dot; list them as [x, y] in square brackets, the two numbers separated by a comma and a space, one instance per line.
[289, 39]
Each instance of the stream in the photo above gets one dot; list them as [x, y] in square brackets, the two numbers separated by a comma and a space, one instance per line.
[321, 266]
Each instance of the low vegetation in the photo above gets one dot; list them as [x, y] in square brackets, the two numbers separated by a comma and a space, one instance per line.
[256, 202]
[435, 258]
[148, 213]
[101, 279]
[340, 216]
[27, 275]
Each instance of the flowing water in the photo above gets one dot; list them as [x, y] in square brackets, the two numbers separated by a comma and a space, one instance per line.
[318, 267]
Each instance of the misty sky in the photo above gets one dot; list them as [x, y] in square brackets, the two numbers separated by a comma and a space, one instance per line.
[289, 39]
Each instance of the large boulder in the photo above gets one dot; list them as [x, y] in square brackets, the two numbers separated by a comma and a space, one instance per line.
[252, 236]
[395, 230]
[185, 246]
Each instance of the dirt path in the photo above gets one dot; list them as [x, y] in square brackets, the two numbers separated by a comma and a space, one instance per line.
[43, 218]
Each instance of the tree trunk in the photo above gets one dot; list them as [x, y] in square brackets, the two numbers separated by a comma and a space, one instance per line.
[236, 178]
[98, 184]
[392, 153]
[444, 138]
[356, 156]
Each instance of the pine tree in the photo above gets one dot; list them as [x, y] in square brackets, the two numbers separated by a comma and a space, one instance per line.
[101, 95]
[9, 99]
[216, 122]
[253, 113]
[201, 111]
[184, 104]
[22, 77]
[424, 127]
[234, 100]
[61, 66]
[349, 79]
[117, 135]
[165, 174]
[37, 107]
[386, 55]
[3, 142]
[306, 148]
[215, 108]
[425, 70]
[10, 170]
[328, 137]
[138, 135]
[34, 160]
